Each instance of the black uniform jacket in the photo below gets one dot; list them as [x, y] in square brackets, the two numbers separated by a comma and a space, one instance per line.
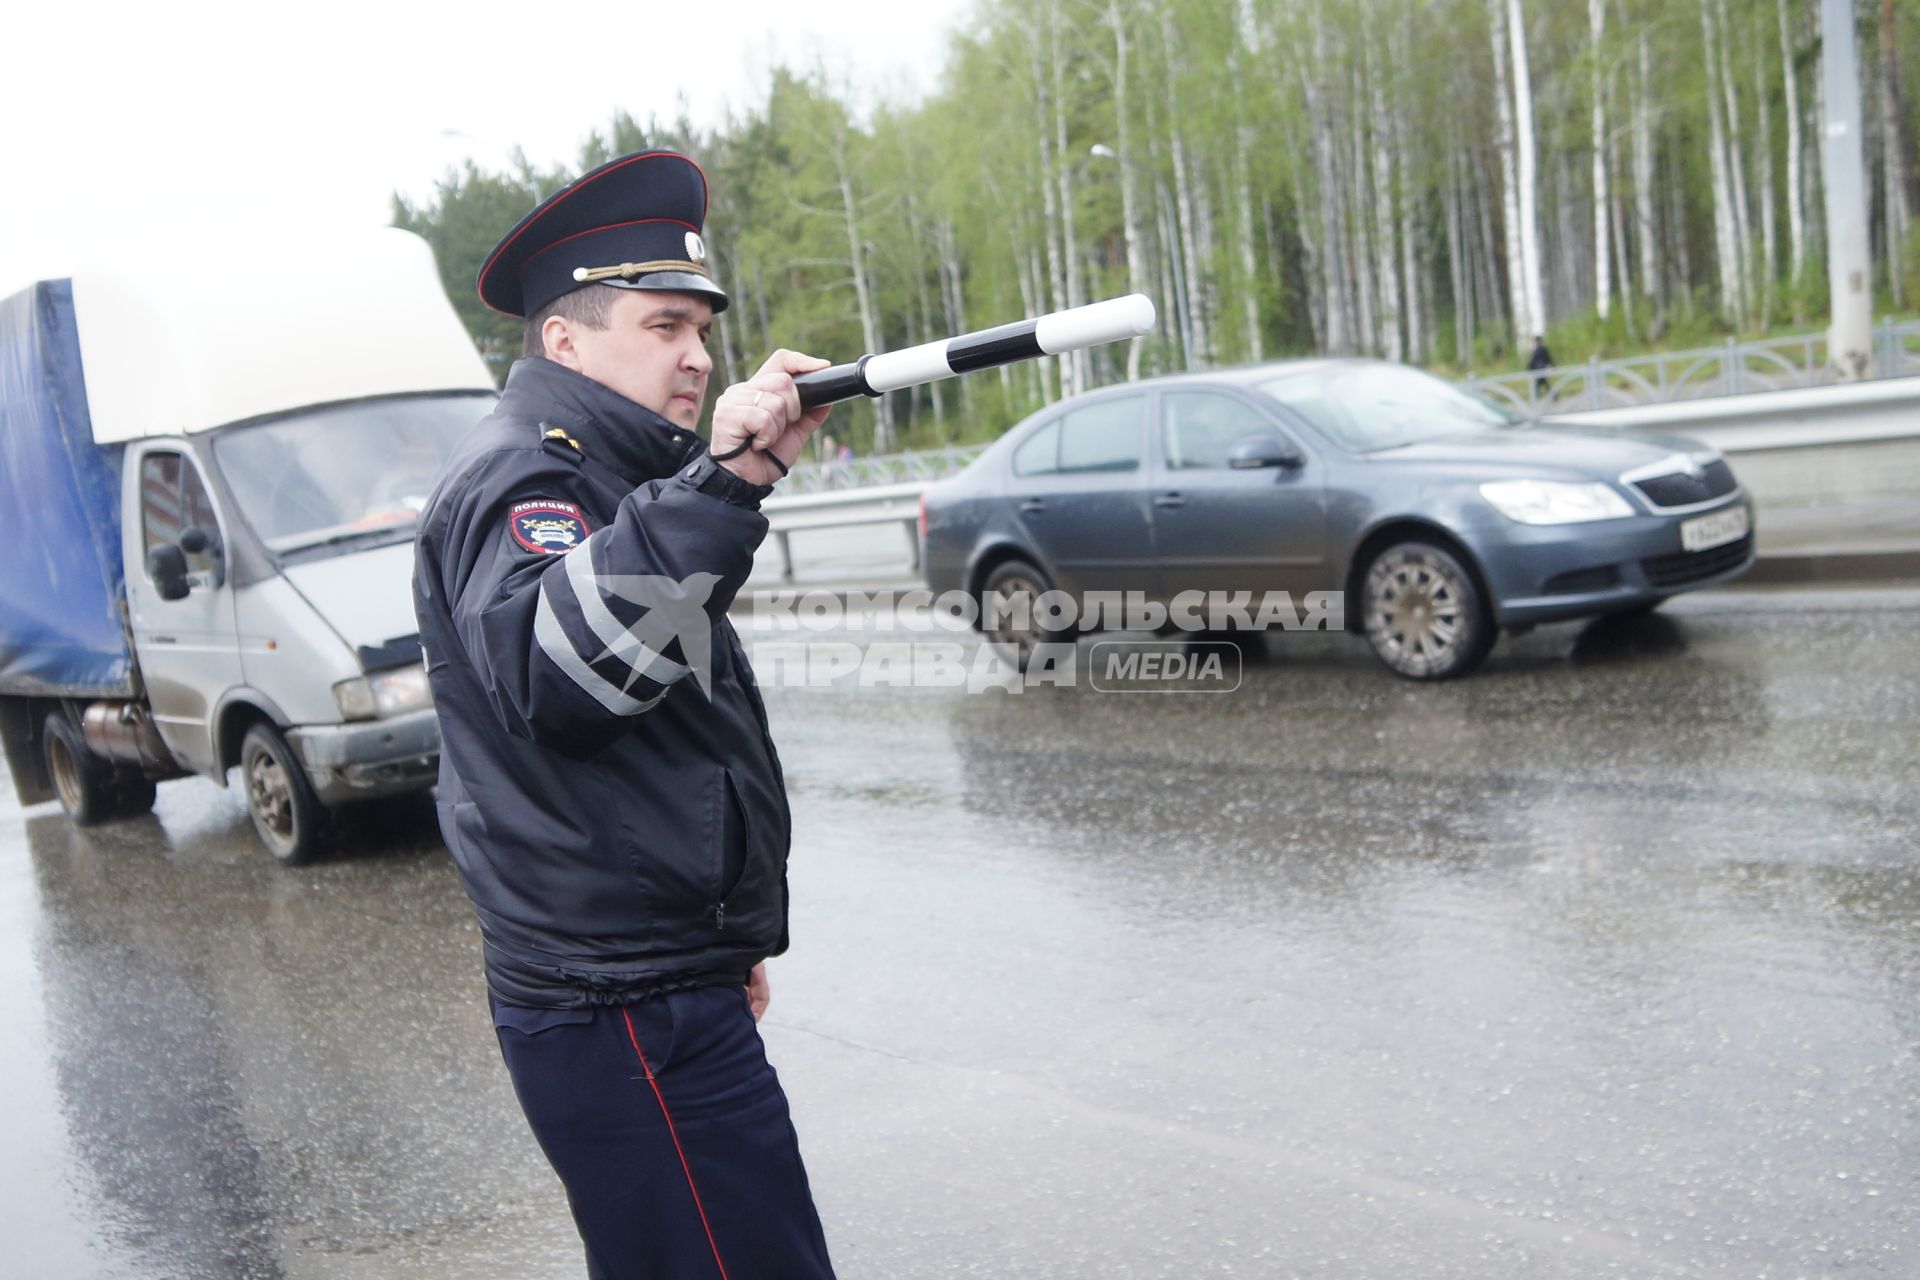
[608, 787]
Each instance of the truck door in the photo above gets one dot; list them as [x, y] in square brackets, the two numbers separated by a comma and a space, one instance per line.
[188, 649]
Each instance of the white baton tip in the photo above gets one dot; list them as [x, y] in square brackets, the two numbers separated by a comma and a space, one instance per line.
[913, 367]
[1091, 325]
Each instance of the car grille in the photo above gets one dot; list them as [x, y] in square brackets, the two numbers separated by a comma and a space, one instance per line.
[1679, 489]
[1683, 567]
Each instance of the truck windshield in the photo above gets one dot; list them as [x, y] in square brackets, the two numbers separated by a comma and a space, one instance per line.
[1369, 407]
[343, 473]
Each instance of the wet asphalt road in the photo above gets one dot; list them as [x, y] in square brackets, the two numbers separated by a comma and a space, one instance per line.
[1605, 962]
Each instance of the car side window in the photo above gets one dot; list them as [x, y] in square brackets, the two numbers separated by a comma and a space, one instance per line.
[172, 501]
[1039, 454]
[1103, 436]
[1198, 429]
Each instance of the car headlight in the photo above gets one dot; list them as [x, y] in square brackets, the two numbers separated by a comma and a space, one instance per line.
[1554, 501]
[383, 694]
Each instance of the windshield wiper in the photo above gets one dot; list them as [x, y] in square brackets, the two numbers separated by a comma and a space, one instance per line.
[353, 535]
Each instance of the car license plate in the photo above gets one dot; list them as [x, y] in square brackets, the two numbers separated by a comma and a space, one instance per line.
[1715, 530]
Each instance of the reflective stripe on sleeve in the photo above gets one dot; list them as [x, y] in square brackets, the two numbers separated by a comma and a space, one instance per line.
[619, 640]
[554, 643]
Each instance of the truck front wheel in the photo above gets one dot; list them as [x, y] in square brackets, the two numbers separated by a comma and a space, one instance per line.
[292, 822]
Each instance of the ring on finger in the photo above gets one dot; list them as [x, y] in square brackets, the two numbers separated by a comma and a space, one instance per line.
[756, 398]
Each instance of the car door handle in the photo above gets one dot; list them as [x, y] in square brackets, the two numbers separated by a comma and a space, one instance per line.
[1033, 504]
[1170, 500]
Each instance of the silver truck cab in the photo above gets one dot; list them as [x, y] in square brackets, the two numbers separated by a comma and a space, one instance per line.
[280, 438]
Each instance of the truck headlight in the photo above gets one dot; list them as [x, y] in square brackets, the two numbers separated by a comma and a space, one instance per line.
[1554, 501]
[383, 694]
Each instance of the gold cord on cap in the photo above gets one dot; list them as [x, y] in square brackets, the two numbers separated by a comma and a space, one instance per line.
[628, 270]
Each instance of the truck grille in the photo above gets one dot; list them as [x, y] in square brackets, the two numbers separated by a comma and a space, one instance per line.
[1679, 489]
[1683, 567]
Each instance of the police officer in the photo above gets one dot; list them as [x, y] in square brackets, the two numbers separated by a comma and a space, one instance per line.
[608, 786]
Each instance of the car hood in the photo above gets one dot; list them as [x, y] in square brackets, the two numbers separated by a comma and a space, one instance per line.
[366, 596]
[1550, 452]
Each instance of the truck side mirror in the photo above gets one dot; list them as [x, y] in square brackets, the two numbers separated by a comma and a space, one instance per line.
[195, 541]
[167, 566]
[1251, 452]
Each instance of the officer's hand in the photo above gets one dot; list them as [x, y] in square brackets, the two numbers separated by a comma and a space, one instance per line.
[759, 995]
[765, 409]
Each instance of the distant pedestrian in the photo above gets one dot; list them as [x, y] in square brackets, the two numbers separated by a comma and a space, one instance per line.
[1540, 359]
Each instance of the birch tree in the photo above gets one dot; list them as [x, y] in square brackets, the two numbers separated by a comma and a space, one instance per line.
[1796, 190]
[1118, 22]
[1725, 231]
[1527, 167]
[1602, 280]
[1519, 170]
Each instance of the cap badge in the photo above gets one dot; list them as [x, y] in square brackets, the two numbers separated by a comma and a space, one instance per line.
[696, 247]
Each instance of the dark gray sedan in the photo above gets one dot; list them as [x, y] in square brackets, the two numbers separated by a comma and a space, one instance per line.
[1440, 520]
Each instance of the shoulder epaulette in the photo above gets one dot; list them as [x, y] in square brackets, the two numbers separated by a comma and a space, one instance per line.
[555, 440]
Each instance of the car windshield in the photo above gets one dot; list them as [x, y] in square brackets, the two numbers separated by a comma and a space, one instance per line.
[1367, 407]
[346, 473]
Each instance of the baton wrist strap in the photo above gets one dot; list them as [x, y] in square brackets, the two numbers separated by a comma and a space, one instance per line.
[741, 448]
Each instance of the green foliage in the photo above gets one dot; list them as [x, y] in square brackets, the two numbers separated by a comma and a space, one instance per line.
[952, 212]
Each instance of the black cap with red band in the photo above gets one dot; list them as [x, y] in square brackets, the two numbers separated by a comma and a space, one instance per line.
[633, 223]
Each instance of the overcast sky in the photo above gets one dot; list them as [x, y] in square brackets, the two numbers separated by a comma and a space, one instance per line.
[120, 120]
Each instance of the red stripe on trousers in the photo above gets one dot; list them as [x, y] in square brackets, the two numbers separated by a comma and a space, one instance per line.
[678, 1149]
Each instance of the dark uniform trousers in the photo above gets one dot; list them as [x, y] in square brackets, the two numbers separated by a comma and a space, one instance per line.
[670, 1130]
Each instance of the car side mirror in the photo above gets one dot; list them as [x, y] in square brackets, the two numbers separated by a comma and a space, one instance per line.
[1252, 452]
[167, 566]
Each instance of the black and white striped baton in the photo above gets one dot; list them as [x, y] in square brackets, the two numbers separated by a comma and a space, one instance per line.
[1114, 320]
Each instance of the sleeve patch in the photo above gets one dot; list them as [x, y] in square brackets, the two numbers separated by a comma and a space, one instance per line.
[552, 528]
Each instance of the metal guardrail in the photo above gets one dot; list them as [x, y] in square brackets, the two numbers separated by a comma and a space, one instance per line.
[897, 504]
[1733, 368]
[1796, 418]
[923, 466]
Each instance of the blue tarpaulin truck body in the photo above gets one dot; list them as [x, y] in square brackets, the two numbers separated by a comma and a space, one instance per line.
[63, 629]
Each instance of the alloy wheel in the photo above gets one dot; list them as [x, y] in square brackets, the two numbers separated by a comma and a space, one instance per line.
[1423, 613]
